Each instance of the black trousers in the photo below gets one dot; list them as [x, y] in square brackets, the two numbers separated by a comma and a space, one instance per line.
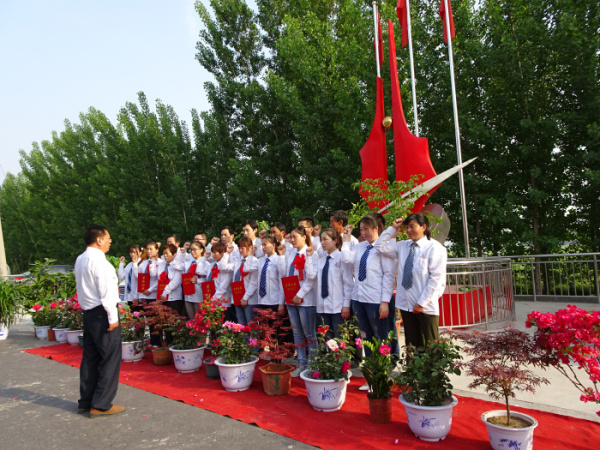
[101, 361]
[420, 328]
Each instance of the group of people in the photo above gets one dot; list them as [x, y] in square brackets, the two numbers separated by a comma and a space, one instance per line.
[332, 275]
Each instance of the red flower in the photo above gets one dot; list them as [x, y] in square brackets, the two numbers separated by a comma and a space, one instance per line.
[345, 367]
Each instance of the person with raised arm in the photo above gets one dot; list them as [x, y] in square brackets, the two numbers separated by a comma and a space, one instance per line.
[421, 276]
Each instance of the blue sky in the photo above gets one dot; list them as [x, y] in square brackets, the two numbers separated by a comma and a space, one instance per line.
[59, 58]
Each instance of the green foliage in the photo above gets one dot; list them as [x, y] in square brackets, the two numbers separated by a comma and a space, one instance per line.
[424, 372]
[44, 287]
[292, 103]
[331, 360]
[376, 367]
[184, 337]
[9, 302]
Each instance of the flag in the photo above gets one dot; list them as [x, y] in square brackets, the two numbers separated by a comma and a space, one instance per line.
[443, 16]
[379, 40]
[402, 17]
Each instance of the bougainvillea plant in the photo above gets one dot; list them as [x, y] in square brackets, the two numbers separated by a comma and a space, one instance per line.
[571, 336]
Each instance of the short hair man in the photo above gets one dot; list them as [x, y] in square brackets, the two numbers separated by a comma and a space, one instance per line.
[98, 294]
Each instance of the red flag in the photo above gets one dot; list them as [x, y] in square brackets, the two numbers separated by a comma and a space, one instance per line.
[379, 40]
[402, 17]
[443, 16]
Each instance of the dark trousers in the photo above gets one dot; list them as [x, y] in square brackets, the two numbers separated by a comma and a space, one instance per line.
[333, 321]
[420, 328]
[369, 323]
[101, 361]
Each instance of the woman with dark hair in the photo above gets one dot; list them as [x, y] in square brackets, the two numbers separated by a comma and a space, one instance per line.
[197, 265]
[421, 276]
[373, 282]
[137, 255]
[303, 310]
[171, 271]
[151, 267]
[239, 267]
[335, 283]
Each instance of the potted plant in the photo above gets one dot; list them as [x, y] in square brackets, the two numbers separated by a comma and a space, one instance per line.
[209, 320]
[500, 363]
[133, 328]
[73, 320]
[328, 372]
[427, 391]
[187, 346]
[376, 369]
[160, 318]
[58, 310]
[9, 306]
[569, 337]
[41, 320]
[276, 376]
[236, 359]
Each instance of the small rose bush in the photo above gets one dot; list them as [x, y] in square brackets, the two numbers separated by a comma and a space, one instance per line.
[236, 343]
[331, 360]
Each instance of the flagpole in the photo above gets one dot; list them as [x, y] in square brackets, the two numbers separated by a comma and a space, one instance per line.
[412, 68]
[375, 23]
[457, 134]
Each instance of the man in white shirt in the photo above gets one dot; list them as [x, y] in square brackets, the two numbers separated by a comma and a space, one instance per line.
[98, 294]
[339, 221]
[250, 228]
[421, 277]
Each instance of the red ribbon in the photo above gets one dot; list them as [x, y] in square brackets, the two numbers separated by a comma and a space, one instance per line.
[299, 262]
[192, 268]
[242, 273]
[164, 276]
[215, 272]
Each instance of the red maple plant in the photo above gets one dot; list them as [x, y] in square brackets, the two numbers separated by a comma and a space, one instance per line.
[271, 333]
[500, 362]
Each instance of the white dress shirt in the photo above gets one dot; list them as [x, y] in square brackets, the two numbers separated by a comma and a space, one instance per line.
[250, 280]
[378, 285]
[97, 283]
[151, 267]
[274, 289]
[201, 264]
[428, 274]
[223, 280]
[340, 283]
[131, 292]
[173, 271]
[309, 283]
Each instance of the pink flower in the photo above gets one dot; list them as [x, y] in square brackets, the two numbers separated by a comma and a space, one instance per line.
[316, 374]
[345, 367]
[53, 305]
[253, 342]
[358, 342]
[136, 314]
[36, 307]
[343, 345]
[332, 344]
[384, 349]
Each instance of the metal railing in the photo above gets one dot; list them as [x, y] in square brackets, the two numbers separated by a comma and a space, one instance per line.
[568, 277]
[478, 291]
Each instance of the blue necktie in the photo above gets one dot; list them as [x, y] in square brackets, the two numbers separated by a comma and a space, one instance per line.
[408, 266]
[292, 268]
[325, 279]
[238, 274]
[362, 268]
[262, 289]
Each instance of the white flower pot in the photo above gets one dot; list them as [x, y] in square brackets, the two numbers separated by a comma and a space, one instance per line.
[236, 377]
[429, 423]
[60, 334]
[325, 395]
[502, 438]
[187, 361]
[3, 331]
[41, 332]
[73, 336]
[132, 351]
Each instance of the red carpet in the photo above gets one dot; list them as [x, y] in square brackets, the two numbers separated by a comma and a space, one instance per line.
[292, 416]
